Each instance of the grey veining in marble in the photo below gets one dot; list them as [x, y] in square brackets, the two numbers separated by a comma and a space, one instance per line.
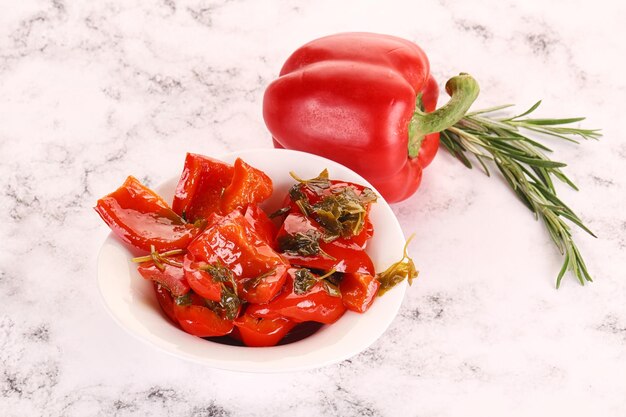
[93, 91]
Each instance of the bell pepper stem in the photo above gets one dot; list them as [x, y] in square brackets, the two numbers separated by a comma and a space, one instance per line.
[463, 90]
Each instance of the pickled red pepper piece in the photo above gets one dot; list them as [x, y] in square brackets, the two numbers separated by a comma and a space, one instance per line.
[199, 190]
[318, 303]
[259, 332]
[142, 219]
[196, 318]
[169, 276]
[231, 244]
[248, 186]
[300, 241]
[208, 186]
[358, 291]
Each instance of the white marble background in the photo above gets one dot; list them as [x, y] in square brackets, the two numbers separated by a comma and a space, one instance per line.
[93, 91]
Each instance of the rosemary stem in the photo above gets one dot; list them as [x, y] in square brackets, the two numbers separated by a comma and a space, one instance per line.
[522, 161]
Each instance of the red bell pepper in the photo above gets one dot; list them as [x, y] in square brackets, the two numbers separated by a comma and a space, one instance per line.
[367, 101]
[231, 244]
[141, 219]
[171, 277]
[254, 331]
[316, 304]
[358, 291]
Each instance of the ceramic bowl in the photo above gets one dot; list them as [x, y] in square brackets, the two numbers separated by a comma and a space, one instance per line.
[132, 303]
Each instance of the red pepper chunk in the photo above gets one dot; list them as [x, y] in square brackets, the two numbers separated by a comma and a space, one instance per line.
[256, 219]
[140, 218]
[264, 287]
[258, 332]
[171, 277]
[201, 321]
[342, 256]
[248, 186]
[257, 269]
[165, 301]
[201, 281]
[358, 291]
[199, 190]
[314, 305]
[359, 241]
[261, 224]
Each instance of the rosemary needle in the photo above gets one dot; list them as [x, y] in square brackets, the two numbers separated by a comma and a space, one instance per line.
[524, 164]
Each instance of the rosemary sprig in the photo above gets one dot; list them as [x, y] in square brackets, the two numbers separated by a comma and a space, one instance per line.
[524, 164]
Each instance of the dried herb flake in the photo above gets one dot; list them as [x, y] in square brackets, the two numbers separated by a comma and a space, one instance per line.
[220, 273]
[303, 281]
[228, 306]
[301, 243]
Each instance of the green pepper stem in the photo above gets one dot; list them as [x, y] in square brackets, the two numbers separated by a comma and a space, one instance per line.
[463, 90]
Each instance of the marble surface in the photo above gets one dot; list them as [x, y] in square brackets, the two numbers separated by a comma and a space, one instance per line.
[93, 91]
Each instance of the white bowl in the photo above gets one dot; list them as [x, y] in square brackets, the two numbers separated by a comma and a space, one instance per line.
[133, 305]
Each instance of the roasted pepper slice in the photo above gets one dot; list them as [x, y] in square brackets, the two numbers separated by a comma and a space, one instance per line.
[261, 224]
[300, 241]
[255, 331]
[171, 277]
[140, 218]
[309, 196]
[230, 245]
[199, 190]
[165, 301]
[209, 186]
[248, 186]
[315, 304]
[199, 320]
[200, 280]
[358, 291]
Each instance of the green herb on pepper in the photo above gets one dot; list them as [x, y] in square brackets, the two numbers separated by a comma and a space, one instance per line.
[342, 213]
[220, 273]
[229, 305]
[302, 244]
[303, 281]
[317, 185]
